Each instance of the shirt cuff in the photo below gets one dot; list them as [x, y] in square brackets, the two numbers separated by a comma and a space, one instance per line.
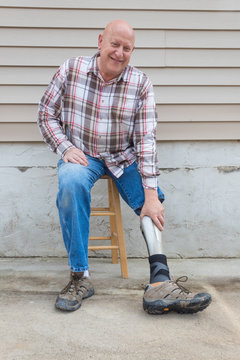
[63, 147]
[149, 183]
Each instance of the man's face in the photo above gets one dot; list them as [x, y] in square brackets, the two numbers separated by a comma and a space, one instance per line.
[116, 46]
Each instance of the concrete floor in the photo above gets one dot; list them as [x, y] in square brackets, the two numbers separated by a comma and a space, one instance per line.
[112, 324]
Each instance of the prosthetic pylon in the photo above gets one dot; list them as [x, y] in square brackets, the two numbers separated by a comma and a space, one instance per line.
[152, 236]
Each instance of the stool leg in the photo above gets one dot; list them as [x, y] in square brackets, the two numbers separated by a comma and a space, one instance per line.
[112, 219]
[120, 233]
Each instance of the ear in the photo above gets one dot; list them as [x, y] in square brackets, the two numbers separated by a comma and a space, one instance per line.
[100, 39]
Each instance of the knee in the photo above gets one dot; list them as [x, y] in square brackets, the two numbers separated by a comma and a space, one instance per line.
[71, 195]
[72, 185]
[73, 189]
[72, 178]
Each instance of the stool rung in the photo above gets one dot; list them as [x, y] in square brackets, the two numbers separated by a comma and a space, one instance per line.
[99, 237]
[110, 247]
[102, 213]
[100, 209]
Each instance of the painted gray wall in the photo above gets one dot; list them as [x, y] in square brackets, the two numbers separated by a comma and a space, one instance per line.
[200, 180]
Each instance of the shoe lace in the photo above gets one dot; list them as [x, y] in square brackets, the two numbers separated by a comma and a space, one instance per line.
[69, 286]
[182, 279]
[74, 284]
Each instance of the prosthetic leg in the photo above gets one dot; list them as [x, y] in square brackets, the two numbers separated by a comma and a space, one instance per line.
[158, 262]
[152, 236]
[164, 294]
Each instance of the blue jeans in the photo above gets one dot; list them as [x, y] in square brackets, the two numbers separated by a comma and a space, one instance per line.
[74, 202]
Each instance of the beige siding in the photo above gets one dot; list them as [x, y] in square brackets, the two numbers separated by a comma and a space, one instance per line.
[85, 18]
[220, 5]
[18, 94]
[144, 39]
[25, 132]
[173, 113]
[43, 56]
[11, 75]
[190, 50]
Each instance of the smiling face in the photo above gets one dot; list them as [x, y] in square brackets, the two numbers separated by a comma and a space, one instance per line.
[115, 45]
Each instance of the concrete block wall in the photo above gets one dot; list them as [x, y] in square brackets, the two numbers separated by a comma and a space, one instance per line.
[200, 180]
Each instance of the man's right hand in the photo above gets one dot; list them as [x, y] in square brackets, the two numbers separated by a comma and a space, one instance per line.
[75, 156]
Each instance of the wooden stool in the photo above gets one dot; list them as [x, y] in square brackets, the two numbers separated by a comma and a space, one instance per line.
[116, 228]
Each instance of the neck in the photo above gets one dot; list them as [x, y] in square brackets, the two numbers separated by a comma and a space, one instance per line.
[105, 76]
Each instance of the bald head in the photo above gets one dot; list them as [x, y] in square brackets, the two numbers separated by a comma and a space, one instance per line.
[120, 27]
[115, 45]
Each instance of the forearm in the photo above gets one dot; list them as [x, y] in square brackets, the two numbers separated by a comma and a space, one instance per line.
[150, 195]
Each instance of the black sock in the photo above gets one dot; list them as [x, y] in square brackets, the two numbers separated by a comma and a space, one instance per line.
[158, 268]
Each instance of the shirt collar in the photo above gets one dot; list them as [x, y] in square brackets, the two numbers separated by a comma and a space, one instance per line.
[93, 68]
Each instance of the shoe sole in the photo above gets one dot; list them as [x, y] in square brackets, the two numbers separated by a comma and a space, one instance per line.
[160, 307]
[63, 306]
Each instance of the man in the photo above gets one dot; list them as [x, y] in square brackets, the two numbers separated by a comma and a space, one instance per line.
[99, 114]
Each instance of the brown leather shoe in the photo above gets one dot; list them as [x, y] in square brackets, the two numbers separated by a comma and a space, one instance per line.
[78, 288]
[171, 296]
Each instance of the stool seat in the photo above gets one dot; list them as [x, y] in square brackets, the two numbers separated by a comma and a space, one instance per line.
[116, 227]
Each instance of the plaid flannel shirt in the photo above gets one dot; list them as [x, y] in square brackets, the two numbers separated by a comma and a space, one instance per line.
[114, 121]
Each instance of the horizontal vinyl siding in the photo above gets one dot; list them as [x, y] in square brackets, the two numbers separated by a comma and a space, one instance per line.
[17, 75]
[42, 56]
[167, 113]
[92, 18]
[25, 132]
[209, 5]
[18, 94]
[190, 50]
[144, 38]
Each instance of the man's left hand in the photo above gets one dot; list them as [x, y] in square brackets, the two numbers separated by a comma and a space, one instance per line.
[153, 208]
